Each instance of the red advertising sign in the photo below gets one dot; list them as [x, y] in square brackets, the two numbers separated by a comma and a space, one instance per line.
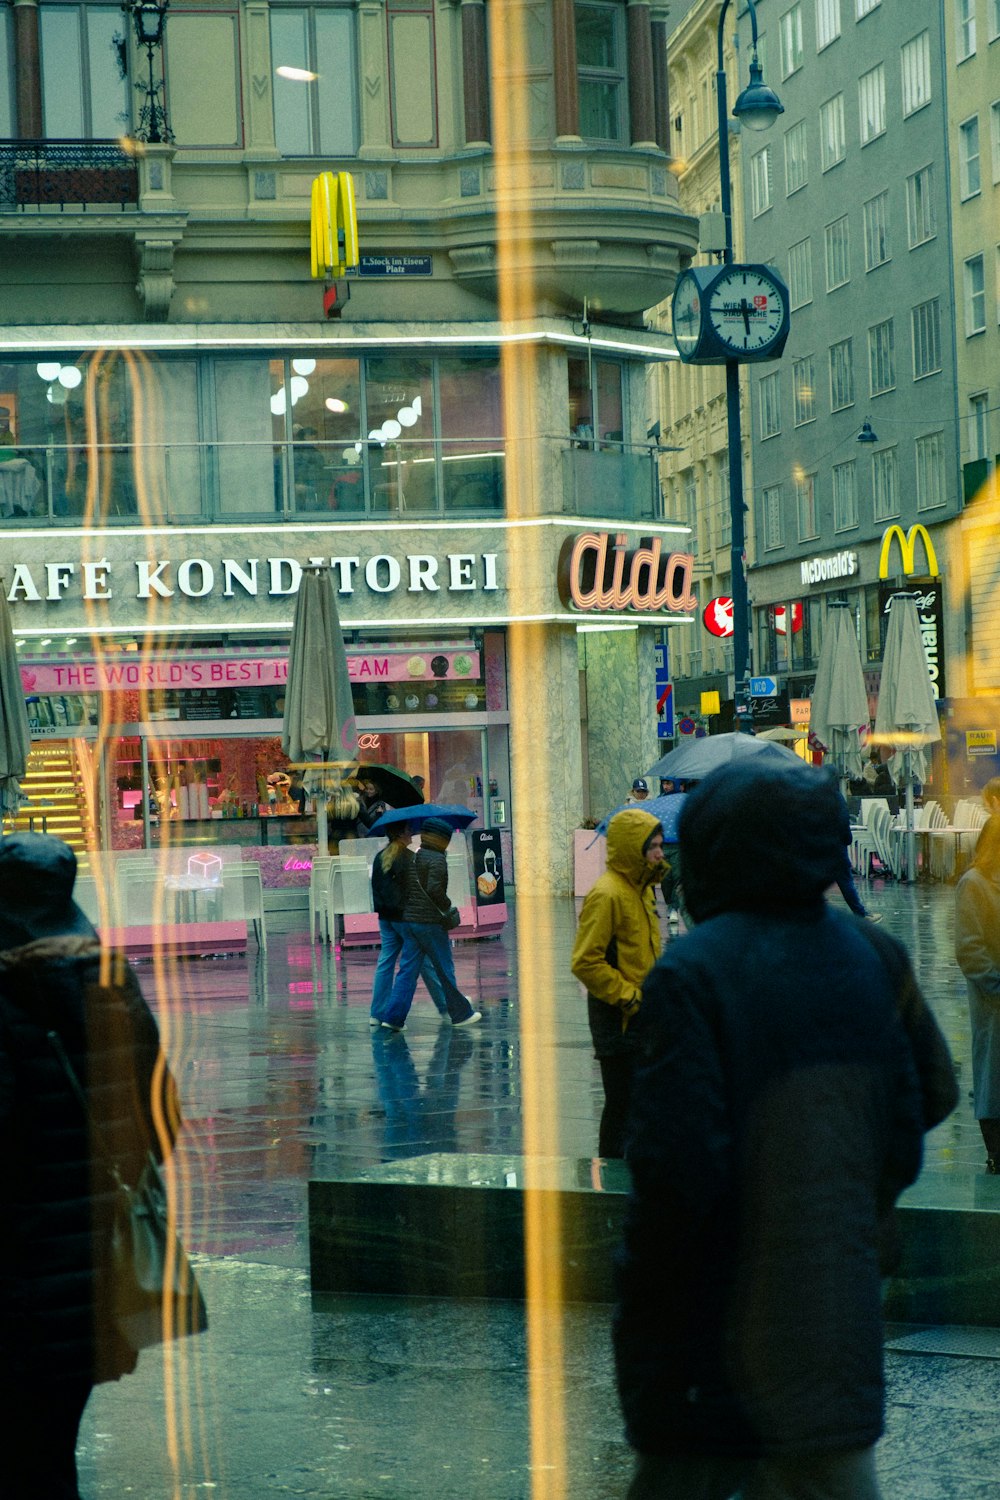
[717, 616]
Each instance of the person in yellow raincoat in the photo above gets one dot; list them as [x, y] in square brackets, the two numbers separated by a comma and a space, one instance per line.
[617, 943]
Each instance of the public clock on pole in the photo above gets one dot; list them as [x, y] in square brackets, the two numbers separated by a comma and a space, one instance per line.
[730, 312]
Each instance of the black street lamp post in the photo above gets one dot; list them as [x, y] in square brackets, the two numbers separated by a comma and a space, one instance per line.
[757, 107]
[149, 18]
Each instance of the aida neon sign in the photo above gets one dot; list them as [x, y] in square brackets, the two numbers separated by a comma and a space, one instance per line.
[601, 574]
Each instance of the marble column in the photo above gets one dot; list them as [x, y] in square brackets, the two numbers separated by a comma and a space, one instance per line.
[475, 74]
[640, 74]
[27, 70]
[564, 75]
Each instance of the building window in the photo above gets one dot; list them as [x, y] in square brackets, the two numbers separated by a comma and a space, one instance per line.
[993, 12]
[841, 374]
[803, 391]
[84, 96]
[832, 142]
[974, 281]
[881, 358]
[916, 61]
[965, 28]
[317, 117]
[885, 487]
[772, 517]
[871, 104]
[601, 71]
[805, 504]
[979, 426]
[921, 223]
[769, 397]
[800, 281]
[845, 496]
[691, 508]
[760, 181]
[969, 179]
[926, 320]
[876, 214]
[827, 23]
[930, 471]
[790, 35]
[865, 7]
[796, 165]
[837, 244]
[995, 139]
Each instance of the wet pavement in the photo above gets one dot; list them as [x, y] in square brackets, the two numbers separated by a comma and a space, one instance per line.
[393, 1398]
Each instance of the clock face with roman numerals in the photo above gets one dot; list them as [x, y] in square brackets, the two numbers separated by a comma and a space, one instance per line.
[747, 310]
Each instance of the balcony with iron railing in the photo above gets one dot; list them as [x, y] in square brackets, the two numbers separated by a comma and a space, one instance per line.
[61, 174]
[58, 483]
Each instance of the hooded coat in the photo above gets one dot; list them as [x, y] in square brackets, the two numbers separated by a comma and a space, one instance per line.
[618, 938]
[977, 949]
[789, 1069]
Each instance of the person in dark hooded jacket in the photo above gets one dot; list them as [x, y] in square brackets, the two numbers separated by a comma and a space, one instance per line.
[57, 1337]
[789, 1070]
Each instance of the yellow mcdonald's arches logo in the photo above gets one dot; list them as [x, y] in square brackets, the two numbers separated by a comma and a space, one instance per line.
[907, 546]
[333, 224]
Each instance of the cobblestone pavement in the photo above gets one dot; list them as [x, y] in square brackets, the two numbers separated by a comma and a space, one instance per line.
[399, 1398]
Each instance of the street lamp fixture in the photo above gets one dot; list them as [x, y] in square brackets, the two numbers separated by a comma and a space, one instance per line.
[867, 435]
[757, 107]
[149, 19]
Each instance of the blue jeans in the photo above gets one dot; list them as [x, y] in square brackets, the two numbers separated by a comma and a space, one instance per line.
[423, 941]
[392, 946]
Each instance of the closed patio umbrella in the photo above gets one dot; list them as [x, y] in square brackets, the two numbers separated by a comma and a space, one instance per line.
[907, 714]
[15, 737]
[839, 710]
[318, 723]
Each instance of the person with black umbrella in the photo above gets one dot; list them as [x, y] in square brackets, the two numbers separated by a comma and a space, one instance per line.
[426, 912]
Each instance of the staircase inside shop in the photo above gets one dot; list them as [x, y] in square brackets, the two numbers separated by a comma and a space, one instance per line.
[57, 798]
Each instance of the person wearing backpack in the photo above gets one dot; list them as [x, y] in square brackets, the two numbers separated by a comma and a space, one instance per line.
[389, 898]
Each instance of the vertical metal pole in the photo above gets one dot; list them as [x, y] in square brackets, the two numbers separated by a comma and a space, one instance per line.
[734, 436]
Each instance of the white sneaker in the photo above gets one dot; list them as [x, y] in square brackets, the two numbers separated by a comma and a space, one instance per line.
[374, 1023]
[388, 1026]
[476, 1016]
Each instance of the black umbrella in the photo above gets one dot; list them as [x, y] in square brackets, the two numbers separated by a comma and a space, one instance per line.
[392, 784]
[695, 759]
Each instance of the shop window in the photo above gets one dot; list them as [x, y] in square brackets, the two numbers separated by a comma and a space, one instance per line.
[601, 71]
[8, 111]
[313, 53]
[84, 96]
[249, 454]
[400, 446]
[472, 446]
[412, 73]
[596, 402]
[316, 411]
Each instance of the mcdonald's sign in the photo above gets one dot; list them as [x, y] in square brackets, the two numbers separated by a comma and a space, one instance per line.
[333, 224]
[907, 546]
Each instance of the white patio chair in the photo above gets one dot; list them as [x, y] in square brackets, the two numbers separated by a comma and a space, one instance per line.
[349, 890]
[245, 878]
[319, 886]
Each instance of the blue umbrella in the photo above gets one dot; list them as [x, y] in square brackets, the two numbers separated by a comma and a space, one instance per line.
[666, 810]
[456, 817]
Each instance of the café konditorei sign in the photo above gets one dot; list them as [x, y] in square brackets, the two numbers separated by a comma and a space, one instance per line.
[602, 574]
[233, 577]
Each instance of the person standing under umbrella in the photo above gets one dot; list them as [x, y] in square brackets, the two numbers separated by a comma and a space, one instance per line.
[424, 933]
[389, 883]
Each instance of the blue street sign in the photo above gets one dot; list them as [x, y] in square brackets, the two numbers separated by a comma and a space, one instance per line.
[763, 687]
